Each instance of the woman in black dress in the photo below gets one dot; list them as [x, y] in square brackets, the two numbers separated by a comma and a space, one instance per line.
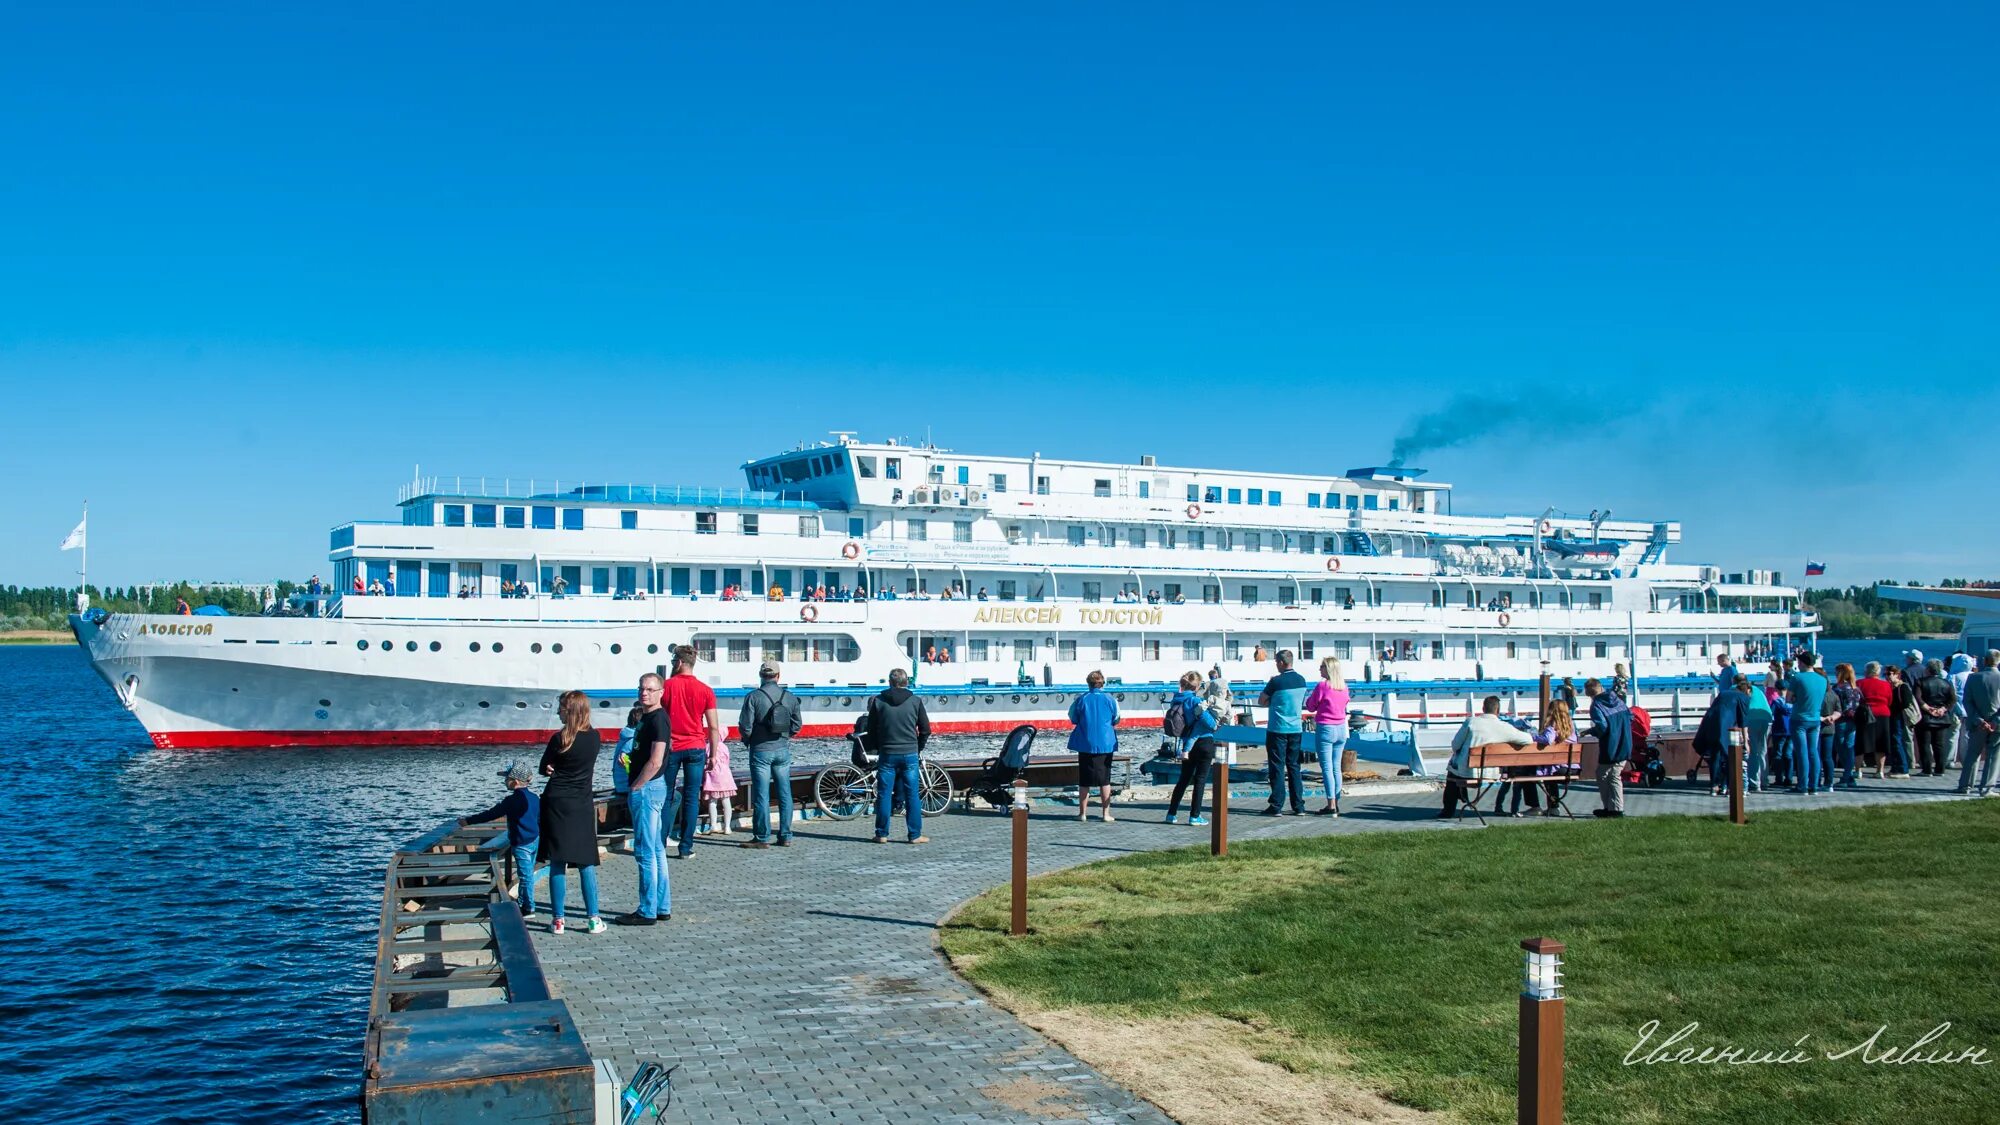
[569, 810]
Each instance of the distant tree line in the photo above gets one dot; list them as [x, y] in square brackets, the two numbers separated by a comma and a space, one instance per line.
[1848, 612]
[48, 607]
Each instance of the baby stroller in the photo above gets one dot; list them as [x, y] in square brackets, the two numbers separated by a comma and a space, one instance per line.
[996, 780]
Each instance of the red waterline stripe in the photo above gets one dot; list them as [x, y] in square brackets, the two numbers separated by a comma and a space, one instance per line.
[256, 739]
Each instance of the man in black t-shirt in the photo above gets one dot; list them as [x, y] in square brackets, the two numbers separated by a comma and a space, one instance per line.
[646, 800]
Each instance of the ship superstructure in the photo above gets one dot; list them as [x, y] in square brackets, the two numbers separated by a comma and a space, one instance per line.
[999, 581]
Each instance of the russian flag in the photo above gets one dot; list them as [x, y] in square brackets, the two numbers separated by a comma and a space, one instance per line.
[1814, 569]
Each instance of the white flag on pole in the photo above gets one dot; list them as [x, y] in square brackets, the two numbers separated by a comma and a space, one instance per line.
[75, 539]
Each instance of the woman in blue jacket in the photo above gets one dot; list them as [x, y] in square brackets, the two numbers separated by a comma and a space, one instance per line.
[1198, 727]
[1094, 737]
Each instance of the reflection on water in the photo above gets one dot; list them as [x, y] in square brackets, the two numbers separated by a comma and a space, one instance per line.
[190, 934]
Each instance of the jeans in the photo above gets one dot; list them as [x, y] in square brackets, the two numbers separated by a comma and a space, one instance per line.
[1805, 757]
[1282, 750]
[1753, 750]
[683, 772]
[1843, 751]
[559, 888]
[898, 772]
[771, 764]
[1980, 747]
[1194, 771]
[525, 872]
[646, 803]
[1332, 741]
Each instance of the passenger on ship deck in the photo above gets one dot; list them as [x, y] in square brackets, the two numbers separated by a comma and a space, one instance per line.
[776, 593]
[1094, 736]
[1180, 599]
[982, 593]
[558, 587]
[358, 587]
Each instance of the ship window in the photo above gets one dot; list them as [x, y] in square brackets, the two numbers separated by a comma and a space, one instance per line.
[536, 647]
[704, 523]
[1275, 499]
[1211, 593]
[1235, 496]
[1253, 541]
[1197, 539]
[919, 531]
[1395, 503]
[522, 704]
[473, 647]
[809, 527]
[652, 650]
[1107, 650]
[704, 651]
[1145, 490]
[739, 651]
[1008, 590]
[385, 646]
[600, 579]
[998, 481]
[1249, 595]
[893, 468]
[411, 646]
[1256, 496]
[1232, 649]
[572, 519]
[975, 650]
[1065, 650]
[514, 517]
[435, 646]
[1100, 488]
[1344, 649]
[454, 515]
[1024, 649]
[1312, 499]
[1602, 650]
[1093, 591]
[1075, 536]
[1194, 493]
[616, 649]
[1354, 502]
[483, 703]
[1513, 650]
[545, 517]
[1041, 486]
[1369, 502]
[496, 646]
[629, 519]
[961, 532]
[747, 523]
[362, 645]
[857, 527]
[482, 515]
[1437, 650]
[1212, 494]
[1190, 650]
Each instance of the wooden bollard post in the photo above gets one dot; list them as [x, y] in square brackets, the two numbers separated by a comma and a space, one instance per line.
[1218, 831]
[1541, 1075]
[1736, 786]
[1542, 698]
[1020, 815]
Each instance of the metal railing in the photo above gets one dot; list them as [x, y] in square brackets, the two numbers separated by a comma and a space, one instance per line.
[602, 492]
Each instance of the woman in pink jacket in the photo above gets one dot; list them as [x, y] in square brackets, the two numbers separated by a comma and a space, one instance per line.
[1327, 703]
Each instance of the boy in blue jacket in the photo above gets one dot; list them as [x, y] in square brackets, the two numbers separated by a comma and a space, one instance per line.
[523, 810]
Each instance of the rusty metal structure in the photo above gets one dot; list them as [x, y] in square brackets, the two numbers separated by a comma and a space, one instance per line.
[461, 1026]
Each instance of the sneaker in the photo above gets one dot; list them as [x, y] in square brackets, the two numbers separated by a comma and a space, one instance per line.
[921, 840]
[753, 844]
[1274, 811]
[881, 839]
[634, 919]
[1198, 821]
[596, 926]
[1329, 810]
[784, 841]
[555, 925]
[701, 830]
[528, 914]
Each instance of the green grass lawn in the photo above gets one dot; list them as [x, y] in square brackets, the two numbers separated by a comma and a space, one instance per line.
[1402, 950]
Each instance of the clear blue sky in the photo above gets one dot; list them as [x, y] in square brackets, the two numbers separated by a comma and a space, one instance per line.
[1733, 265]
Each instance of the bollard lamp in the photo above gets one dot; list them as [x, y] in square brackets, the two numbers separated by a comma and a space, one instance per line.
[1020, 796]
[1541, 969]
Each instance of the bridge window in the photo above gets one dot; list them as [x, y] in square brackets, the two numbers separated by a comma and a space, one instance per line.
[1100, 488]
[572, 519]
[629, 519]
[545, 517]
[514, 517]
[747, 523]
[454, 515]
[483, 515]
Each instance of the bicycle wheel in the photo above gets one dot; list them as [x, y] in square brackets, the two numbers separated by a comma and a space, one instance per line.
[933, 789]
[843, 792]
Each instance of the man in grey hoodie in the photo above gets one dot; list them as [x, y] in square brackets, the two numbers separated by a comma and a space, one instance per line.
[896, 727]
[1981, 703]
[1960, 744]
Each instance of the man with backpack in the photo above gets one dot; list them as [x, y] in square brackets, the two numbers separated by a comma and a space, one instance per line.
[770, 719]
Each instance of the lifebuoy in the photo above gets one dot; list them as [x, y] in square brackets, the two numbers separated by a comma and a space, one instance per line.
[1333, 564]
[809, 612]
[1194, 511]
[1504, 619]
[1548, 528]
[851, 550]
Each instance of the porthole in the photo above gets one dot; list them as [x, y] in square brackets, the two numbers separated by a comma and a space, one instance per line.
[436, 646]
[497, 646]
[362, 645]
[1017, 699]
[483, 703]
[386, 646]
[847, 701]
[556, 648]
[410, 646]
[474, 646]
[326, 703]
[536, 647]
[1032, 698]
[616, 649]
[523, 706]
[652, 650]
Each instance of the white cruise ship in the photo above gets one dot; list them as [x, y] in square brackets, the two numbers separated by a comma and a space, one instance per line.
[999, 581]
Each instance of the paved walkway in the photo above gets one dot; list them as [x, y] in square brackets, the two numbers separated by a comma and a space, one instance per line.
[803, 983]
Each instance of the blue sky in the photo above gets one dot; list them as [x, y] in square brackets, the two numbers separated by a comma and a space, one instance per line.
[1731, 266]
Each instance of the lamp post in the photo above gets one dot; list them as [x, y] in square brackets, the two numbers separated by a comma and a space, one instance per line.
[1020, 815]
[1542, 704]
[1541, 1075]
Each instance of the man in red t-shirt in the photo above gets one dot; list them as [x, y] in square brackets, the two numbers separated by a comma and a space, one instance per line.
[694, 729]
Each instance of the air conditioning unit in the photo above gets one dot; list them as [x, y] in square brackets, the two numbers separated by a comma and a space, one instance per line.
[976, 495]
[920, 496]
[1711, 574]
[947, 495]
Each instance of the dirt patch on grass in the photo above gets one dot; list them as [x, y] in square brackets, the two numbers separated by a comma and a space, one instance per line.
[1035, 1097]
[1205, 1070]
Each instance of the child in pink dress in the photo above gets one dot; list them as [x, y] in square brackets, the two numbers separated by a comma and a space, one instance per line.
[719, 786]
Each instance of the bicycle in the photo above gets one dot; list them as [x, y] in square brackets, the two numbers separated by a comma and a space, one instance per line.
[845, 790]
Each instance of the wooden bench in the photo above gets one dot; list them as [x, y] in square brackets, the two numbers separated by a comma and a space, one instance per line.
[1488, 762]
